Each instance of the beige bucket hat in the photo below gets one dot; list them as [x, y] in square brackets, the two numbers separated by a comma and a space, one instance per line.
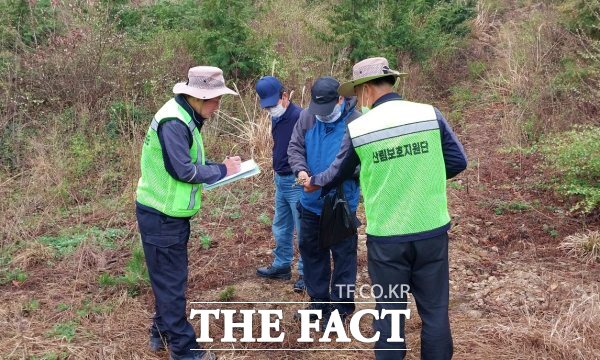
[367, 70]
[204, 82]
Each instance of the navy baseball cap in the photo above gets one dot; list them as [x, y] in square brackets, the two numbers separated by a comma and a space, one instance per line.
[269, 90]
[324, 95]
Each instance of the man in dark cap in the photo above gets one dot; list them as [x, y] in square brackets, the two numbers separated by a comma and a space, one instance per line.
[314, 145]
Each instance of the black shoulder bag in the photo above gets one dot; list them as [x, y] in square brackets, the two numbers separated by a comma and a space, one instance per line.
[337, 221]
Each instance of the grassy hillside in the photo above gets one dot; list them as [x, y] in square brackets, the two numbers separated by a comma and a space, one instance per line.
[518, 81]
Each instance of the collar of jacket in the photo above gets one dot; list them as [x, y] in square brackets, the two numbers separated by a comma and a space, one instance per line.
[198, 119]
[385, 98]
[287, 113]
[350, 105]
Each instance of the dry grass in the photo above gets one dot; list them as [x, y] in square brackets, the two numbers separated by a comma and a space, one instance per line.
[567, 334]
[584, 246]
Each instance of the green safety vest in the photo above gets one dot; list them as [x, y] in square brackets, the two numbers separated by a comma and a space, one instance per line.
[402, 176]
[156, 187]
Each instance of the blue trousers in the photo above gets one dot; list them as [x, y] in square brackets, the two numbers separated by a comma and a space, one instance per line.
[423, 265]
[285, 220]
[321, 283]
[165, 241]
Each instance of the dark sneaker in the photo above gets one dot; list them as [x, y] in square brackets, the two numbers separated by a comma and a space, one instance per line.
[207, 355]
[157, 342]
[270, 272]
[316, 304]
[299, 285]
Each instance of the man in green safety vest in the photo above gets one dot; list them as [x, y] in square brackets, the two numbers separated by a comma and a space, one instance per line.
[169, 194]
[406, 151]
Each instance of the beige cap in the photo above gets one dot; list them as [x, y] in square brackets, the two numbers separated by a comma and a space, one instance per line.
[367, 70]
[204, 82]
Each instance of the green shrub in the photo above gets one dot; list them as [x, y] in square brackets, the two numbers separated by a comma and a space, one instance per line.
[583, 15]
[229, 42]
[29, 22]
[421, 28]
[576, 155]
[121, 114]
[144, 21]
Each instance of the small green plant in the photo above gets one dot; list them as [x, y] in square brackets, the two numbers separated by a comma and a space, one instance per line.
[264, 218]
[254, 197]
[235, 215]
[63, 244]
[461, 97]
[136, 274]
[511, 206]
[456, 185]
[476, 69]
[420, 28]
[66, 330]
[62, 307]
[205, 241]
[227, 294]
[30, 306]
[17, 275]
[228, 233]
[51, 356]
[105, 280]
[88, 307]
[68, 240]
[550, 230]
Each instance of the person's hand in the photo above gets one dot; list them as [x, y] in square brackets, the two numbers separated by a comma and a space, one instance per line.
[310, 188]
[233, 164]
[302, 177]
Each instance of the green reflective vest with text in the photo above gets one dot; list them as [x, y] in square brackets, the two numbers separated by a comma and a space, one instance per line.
[403, 176]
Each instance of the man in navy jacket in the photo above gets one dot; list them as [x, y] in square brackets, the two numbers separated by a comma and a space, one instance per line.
[284, 114]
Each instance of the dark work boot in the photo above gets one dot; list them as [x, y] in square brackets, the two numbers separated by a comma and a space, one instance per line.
[299, 285]
[158, 341]
[270, 272]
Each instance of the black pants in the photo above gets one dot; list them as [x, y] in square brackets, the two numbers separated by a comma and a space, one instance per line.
[165, 241]
[423, 265]
[321, 283]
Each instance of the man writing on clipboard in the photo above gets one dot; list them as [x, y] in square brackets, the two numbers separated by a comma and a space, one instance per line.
[169, 194]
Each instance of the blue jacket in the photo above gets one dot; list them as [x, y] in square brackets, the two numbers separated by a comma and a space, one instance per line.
[282, 128]
[313, 148]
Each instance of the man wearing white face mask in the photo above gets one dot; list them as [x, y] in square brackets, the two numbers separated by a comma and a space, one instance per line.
[315, 142]
[284, 114]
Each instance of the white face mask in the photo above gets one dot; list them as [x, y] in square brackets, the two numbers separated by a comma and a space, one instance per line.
[276, 111]
[335, 114]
